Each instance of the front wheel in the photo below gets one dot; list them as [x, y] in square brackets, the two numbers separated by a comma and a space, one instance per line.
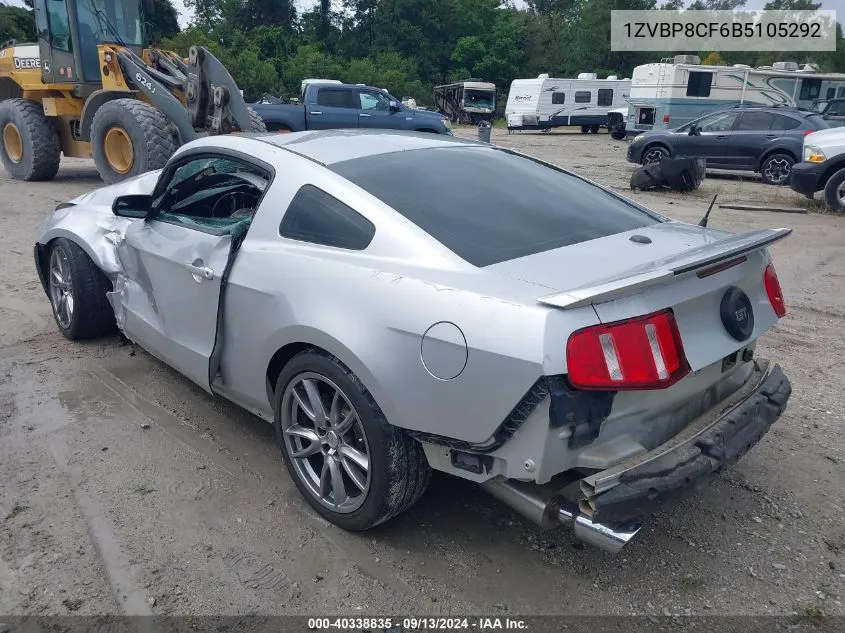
[834, 191]
[777, 169]
[352, 466]
[77, 290]
[654, 154]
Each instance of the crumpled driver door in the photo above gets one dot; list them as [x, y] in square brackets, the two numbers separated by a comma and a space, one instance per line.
[171, 292]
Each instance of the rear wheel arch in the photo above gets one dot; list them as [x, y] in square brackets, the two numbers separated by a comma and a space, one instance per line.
[303, 338]
[776, 150]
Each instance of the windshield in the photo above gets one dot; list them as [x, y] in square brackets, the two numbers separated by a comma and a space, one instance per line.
[489, 206]
[479, 99]
[112, 21]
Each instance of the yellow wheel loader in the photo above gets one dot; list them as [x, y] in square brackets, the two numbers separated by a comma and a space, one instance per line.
[91, 87]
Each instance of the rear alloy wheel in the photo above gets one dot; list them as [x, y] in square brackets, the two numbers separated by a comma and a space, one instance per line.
[654, 154]
[29, 141]
[349, 463]
[834, 191]
[777, 168]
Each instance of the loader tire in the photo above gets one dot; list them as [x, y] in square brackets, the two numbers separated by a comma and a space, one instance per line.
[29, 141]
[130, 137]
[256, 123]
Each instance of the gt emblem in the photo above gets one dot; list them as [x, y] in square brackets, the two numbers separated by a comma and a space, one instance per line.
[737, 314]
[741, 314]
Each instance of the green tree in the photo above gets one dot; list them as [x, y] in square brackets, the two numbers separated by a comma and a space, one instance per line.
[16, 23]
[164, 22]
[792, 5]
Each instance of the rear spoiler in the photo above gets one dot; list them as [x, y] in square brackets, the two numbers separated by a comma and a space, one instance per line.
[663, 270]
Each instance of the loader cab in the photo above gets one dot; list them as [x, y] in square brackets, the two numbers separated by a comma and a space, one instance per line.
[70, 30]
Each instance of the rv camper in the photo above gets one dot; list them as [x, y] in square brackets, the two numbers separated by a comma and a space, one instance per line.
[545, 102]
[468, 101]
[680, 89]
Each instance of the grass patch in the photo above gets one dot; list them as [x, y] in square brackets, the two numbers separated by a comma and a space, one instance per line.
[17, 509]
[813, 612]
[142, 488]
[692, 584]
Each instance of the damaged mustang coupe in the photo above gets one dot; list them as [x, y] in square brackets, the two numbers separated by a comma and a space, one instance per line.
[583, 359]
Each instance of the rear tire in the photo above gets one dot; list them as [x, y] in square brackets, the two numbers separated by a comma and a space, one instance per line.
[585, 129]
[29, 141]
[77, 291]
[776, 169]
[834, 192]
[130, 137]
[617, 135]
[397, 471]
[594, 129]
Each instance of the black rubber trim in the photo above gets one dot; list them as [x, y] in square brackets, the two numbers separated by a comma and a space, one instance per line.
[644, 489]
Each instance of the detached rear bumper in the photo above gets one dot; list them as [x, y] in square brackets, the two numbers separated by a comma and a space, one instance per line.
[709, 444]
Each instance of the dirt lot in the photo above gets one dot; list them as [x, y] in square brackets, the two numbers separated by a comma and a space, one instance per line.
[125, 489]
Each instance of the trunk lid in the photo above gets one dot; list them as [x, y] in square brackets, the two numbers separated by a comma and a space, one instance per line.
[624, 278]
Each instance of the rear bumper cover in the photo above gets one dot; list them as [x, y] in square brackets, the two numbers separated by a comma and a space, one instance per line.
[638, 487]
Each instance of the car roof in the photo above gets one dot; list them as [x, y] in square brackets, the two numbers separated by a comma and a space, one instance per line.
[775, 109]
[334, 146]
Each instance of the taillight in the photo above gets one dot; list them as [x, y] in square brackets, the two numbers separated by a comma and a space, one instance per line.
[806, 132]
[770, 280]
[641, 353]
[666, 118]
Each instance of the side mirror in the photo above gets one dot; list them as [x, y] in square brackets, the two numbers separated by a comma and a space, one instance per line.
[694, 131]
[135, 206]
[394, 107]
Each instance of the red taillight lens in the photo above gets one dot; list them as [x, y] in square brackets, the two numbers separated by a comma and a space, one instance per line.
[666, 118]
[770, 280]
[641, 353]
[806, 132]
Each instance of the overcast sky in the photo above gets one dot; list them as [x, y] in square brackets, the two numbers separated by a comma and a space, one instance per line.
[185, 15]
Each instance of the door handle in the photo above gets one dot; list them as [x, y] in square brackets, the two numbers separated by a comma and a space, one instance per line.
[771, 136]
[317, 112]
[722, 136]
[362, 114]
[200, 272]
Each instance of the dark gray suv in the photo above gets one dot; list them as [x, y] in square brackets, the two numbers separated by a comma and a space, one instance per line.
[764, 139]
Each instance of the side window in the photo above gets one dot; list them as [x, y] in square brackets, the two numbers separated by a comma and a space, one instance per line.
[316, 217]
[719, 122]
[59, 25]
[558, 98]
[831, 93]
[334, 98]
[699, 83]
[605, 96]
[583, 96]
[782, 122]
[212, 192]
[755, 121]
[370, 100]
[840, 91]
[810, 89]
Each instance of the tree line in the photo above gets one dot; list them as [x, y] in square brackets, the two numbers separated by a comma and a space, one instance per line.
[409, 46]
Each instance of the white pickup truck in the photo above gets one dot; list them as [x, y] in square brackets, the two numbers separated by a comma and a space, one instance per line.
[822, 167]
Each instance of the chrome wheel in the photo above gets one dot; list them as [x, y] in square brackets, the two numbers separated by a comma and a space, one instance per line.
[325, 441]
[61, 288]
[653, 155]
[777, 170]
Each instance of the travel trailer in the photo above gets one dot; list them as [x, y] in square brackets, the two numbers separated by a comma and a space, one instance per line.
[467, 101]
[677, 90]
[546, 102]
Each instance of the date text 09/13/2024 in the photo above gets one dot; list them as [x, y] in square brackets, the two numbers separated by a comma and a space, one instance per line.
[417, 623]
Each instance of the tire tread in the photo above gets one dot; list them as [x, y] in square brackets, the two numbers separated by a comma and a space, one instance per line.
[46, 147]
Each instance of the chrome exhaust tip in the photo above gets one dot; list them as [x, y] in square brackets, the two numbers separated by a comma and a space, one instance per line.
[544, 507]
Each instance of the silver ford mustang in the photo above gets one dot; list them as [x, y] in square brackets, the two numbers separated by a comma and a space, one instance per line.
[397, 302]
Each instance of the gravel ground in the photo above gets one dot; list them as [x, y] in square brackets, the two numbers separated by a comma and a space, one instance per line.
[124, 489]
